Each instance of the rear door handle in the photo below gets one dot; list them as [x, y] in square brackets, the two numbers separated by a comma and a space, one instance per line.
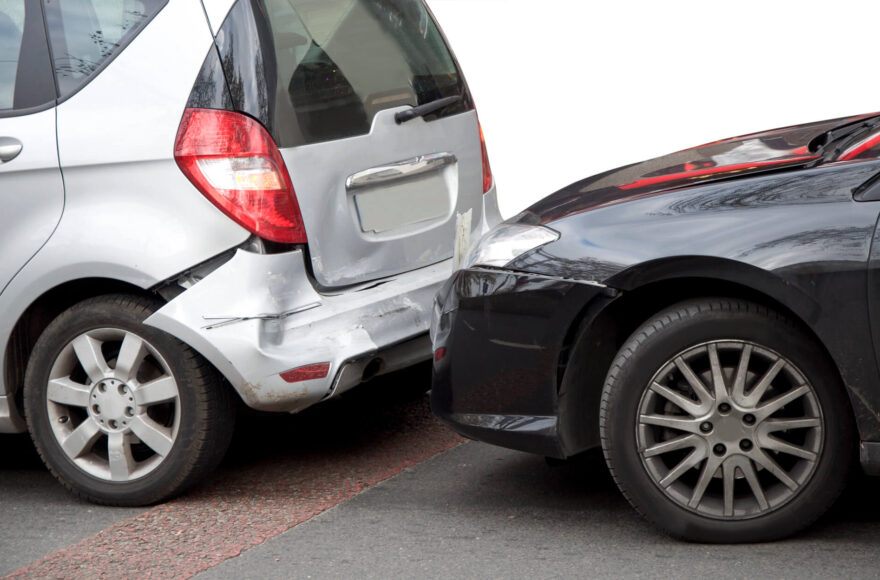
[9, 148]
[399, 171]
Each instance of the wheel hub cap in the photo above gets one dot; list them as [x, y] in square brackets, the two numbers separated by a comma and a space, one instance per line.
[729, 430]
[113, 405]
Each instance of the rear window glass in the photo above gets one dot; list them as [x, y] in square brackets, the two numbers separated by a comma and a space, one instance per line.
[87, 34]
[337, 63]
[11, 27]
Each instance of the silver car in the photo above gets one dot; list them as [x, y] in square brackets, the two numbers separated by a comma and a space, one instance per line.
[210, 199]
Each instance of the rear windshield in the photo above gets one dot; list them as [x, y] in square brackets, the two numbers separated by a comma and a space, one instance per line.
[326, 67]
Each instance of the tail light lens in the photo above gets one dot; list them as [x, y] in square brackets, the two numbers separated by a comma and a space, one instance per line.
[487, 169]
[235, 163]
[306, 373]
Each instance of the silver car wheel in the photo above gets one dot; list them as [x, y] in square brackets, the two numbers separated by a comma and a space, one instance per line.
[113, 404]
[729, 430]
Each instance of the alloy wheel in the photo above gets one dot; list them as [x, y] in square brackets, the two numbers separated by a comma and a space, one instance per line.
[113, 404]
[729, 429]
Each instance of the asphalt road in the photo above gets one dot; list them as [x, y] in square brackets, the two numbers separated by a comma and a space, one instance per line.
[37, 516]
[372, 486]
[482, 512]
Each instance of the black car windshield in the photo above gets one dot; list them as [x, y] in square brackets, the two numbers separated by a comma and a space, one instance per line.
[837, 143]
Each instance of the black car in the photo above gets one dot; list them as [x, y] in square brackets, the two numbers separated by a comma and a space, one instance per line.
[711, 318]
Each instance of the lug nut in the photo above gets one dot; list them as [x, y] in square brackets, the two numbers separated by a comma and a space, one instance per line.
[96, 409]
[719, 449]
[749, 419]
[745, 445]
[724, 408]
[706, 427]
[129, 412]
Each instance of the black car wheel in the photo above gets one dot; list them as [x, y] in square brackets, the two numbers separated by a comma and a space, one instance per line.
[721, 421]
[123, 413]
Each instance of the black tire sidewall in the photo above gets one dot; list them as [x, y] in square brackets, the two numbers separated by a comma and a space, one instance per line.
[126, 315]
[686, 326]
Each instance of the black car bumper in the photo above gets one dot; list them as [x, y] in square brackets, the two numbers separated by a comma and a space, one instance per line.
[499, 338]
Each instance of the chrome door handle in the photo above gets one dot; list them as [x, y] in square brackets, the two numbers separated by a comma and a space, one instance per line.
[399, 171]
[9, 148]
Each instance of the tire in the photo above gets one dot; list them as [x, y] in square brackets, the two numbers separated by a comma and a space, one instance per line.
[751, 456]
[122, 413]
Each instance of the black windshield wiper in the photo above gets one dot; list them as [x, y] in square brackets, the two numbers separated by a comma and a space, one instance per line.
[832, 143]
[426, 109]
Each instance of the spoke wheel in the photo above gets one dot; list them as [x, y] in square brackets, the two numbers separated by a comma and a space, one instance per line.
[122, 413]
[721, 421]
[729, 429]
[113, 404]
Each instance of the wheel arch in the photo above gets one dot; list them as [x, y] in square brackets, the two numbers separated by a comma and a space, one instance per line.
[644, 291]
[39, 314]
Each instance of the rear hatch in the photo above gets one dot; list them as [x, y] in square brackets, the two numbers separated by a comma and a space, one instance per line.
[327, 79]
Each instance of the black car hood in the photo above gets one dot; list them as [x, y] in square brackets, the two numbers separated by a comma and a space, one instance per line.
[736, 158]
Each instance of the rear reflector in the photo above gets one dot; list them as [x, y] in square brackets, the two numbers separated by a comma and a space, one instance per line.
[439, 354]
[488, 179]
[307, 373]
[235, 163]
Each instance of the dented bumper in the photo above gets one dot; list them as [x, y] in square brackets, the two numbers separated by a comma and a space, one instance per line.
[258, 316]
[499, 337]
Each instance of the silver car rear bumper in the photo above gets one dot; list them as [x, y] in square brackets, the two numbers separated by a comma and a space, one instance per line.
[258, 316]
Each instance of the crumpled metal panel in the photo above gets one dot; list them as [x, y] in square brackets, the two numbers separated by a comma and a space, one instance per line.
[258, 315]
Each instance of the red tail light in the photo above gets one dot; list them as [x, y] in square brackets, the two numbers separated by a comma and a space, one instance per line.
[487, 169]
[234, 162]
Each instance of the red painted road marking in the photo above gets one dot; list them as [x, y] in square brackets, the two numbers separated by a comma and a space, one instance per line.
[220, 521]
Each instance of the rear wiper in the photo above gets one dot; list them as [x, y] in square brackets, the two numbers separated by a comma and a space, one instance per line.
[426, 109]
[840, 137]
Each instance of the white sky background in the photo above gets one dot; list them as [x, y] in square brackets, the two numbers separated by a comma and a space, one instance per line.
[569, 88]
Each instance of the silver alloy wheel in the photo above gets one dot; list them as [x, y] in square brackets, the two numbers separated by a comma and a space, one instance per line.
[113, 404]
[730, 429]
